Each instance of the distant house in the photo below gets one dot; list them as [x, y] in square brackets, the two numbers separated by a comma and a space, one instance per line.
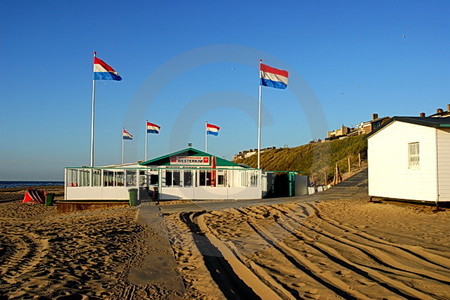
[372, 125]
[343, 131]
[409, 158]
[440, 113]
[251, 152]
[362, 128]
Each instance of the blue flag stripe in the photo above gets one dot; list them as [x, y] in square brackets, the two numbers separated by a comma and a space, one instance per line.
[106, 76]
[274, 84]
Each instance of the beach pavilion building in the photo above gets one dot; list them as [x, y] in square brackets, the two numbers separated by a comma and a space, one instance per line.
[186, 174]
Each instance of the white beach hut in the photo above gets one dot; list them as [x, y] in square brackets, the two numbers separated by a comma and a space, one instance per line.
[409, 158]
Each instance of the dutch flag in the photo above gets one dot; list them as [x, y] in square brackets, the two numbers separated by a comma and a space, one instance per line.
[273, 77]
[126, 135]
[152, 128]
[102, 71]
[212, 129]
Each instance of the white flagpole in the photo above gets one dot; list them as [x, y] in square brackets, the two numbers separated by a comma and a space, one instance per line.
[92, 118]
[259, 118]
[122, 143]
[206, 137]
[146, 142]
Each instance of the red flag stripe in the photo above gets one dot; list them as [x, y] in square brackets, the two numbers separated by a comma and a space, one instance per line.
[151, 124]
[266, 68]
[103, 64]
[212, 126]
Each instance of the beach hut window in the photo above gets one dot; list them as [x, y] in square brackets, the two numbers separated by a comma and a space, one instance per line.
[108, 178]
[253, 179]
[153, 179]
[168, 178]
[130, 177]
[187, 178]
[413, 155]
[204, 178]
[176, 178]
[142, 178]
[84, 176]
[96, 177]
[120, 178]
[221, 178]
[244, 178]
[72, 177]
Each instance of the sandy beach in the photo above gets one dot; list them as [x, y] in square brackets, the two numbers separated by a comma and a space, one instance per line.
[326, 247]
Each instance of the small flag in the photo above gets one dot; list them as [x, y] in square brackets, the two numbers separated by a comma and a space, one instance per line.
[212, 129]
[152, 128]
[273, 77]
[102, 71]
[126, 135]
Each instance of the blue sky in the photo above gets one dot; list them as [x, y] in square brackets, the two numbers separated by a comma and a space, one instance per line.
[187, 62]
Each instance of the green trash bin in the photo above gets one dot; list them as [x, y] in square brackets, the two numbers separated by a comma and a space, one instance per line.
[49, 199]
[133, 196]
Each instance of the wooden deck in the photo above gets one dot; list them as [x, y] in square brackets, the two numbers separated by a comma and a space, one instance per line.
[66, 206]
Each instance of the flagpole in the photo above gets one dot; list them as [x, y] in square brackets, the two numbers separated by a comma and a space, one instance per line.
[146, 141]
[206, 137]
[259, 118]
[122, 143]
[92, 118]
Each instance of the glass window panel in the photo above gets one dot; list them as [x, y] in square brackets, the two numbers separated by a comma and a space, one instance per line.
[187, 178]
[119, 178]
[176, 178]
[96, 177]
[253, 179]
[131, 177]
[154, 179]
[142, 178]
[413, 155]
[72, 177]
[84, 176]
[168, 178]
[108, 178]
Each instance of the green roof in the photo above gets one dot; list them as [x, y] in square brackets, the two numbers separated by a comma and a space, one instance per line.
[165, 160]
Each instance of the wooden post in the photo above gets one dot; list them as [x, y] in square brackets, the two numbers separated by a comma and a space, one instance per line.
[359, 159]
[349, 166]
[337, 176]
[325, 177]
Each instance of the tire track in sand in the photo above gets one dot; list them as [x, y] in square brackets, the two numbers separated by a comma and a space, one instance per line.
[23, 252]
[377, 255]
[219, 263]
[285, 292]
[309, 268]
[384, 252]
[417, 251]
[394, 286]
[380, 253]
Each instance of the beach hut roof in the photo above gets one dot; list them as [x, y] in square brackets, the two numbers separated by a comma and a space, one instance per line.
[165, 160]
[424, 121]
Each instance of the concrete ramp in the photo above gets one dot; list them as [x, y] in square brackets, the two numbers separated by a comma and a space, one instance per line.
[355, 187]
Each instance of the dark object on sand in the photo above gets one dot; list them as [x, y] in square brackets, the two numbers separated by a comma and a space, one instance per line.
[34, 196]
